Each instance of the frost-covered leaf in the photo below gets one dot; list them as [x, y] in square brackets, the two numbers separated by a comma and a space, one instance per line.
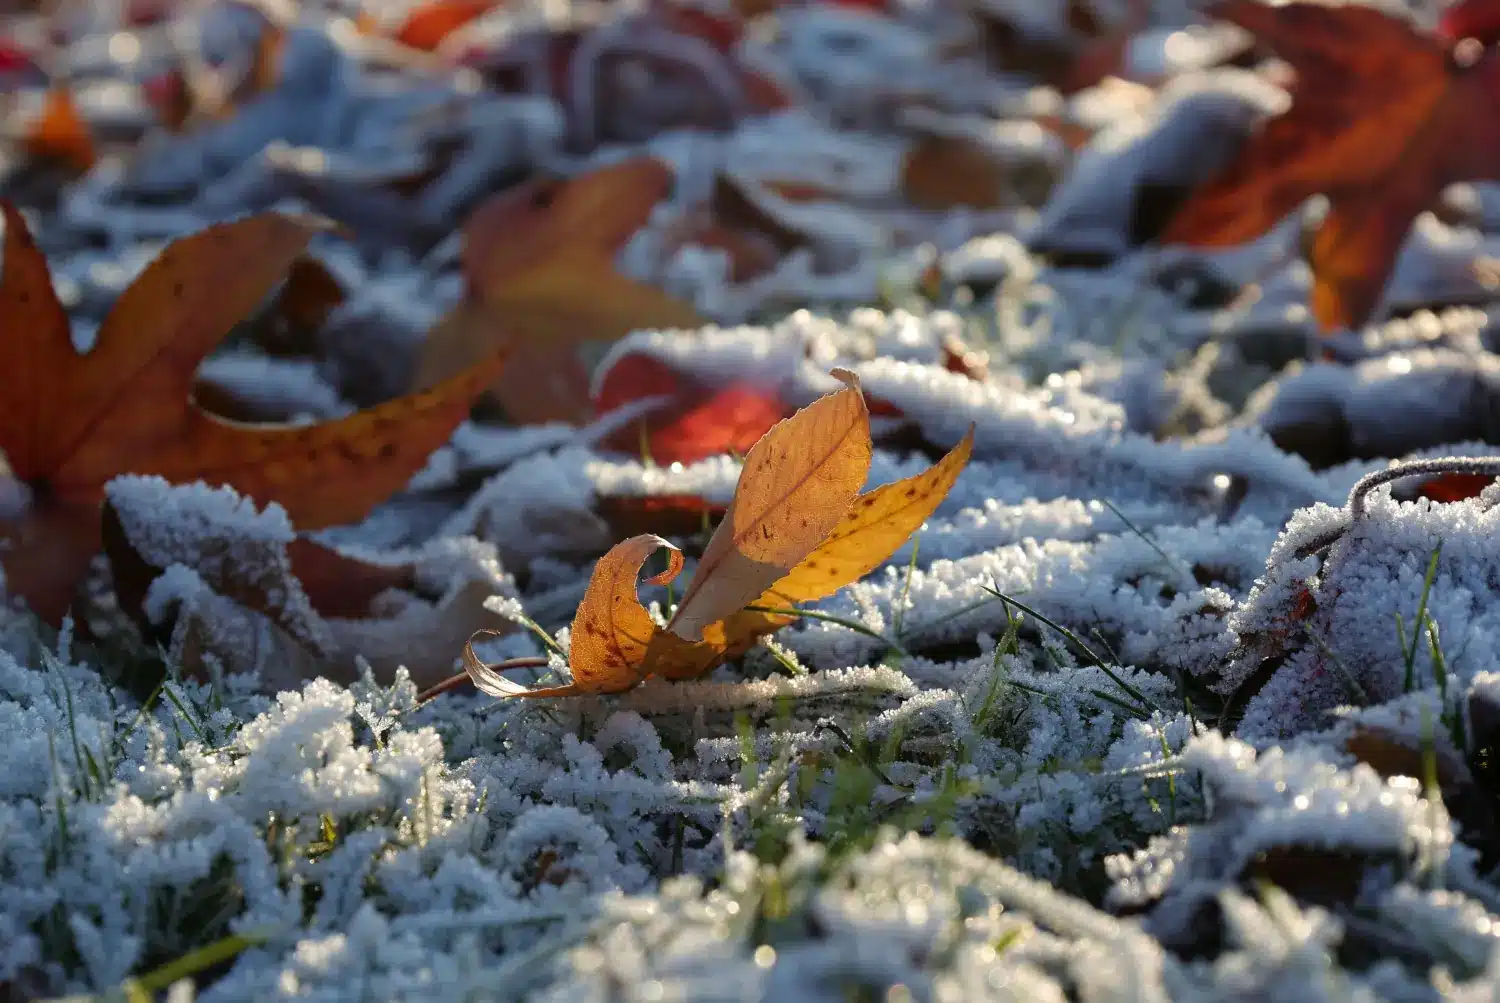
[200, 563]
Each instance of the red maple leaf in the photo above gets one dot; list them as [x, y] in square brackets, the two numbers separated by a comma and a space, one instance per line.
[1383, 118]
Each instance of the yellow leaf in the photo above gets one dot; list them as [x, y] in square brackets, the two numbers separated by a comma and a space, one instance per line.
[611, 630]
[796, 485]
[874, 528]
[670, 657]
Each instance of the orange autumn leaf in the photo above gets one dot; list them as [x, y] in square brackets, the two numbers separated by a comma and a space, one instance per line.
[873, 529]
[60, 134]
[70, 422]
[539, 263]
[1383, 117]
[429, 24]
[777, 541]
[795, 486]
[943, 172]
[611, 630]
[670, 657]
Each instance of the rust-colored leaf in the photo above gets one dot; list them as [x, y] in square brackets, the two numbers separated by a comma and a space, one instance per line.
[60, 134]
[310, 294]
[338, 585]
[71, 422]
[611, 631]
[698, 421]
[1471, 19]
[540, 268]
[664, 515]
[1454, 487]
[873, 529]
[1382, 119]
[943, 172]
[429, 24]
[796, 485]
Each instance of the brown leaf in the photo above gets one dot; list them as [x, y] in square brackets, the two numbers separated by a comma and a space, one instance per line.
[331, 605]
[70, 422]
[540, 268]
[1382, 119]
[664, 515]
[943, 172]
[428, 24]
[611, 631]
[60, 134]
[310, 294]
[796, 485]
[874, 528]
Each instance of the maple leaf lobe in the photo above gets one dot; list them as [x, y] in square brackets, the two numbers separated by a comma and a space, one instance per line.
[1382, 119]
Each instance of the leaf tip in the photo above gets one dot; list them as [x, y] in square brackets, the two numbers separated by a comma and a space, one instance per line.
[847, 377]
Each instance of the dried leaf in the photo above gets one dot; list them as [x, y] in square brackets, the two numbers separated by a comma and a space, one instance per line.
[1382, 119]
[875, 527]
[70, 422]
[697, 422]
[310, 294]
[670, 657]
[60, 134]
[1454, 487]
[796, 485]
[943, 172]
[410, 609]
[540, 268]
[663, 515]
[611, 631]
[1471, 19]
[427, 25]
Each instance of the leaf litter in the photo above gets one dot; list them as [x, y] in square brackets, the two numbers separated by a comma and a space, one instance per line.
[1228, 734]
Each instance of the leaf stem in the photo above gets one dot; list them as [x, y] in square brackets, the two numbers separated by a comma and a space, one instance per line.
[457, 681]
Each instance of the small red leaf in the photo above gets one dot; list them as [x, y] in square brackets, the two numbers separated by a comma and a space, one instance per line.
[701, 421]
[1454, 487]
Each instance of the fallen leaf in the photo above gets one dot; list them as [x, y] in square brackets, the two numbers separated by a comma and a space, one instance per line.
[777, 542]
[960, 358]
[60, 134]
[796, 485]
[70, 422]
[944, 172]
[671, 657]
[1068, 66]
[663, 515]
[697, 421]
[1454, 487]
[611, 631]
[1105, 55]
[1383, 118]
[1478, 19]
[250, 569]
[873, 529]
[539, 263]
[253, 571]
[308, 296]
[427, 25]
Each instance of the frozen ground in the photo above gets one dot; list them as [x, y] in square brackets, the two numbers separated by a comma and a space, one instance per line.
[1208, 794]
